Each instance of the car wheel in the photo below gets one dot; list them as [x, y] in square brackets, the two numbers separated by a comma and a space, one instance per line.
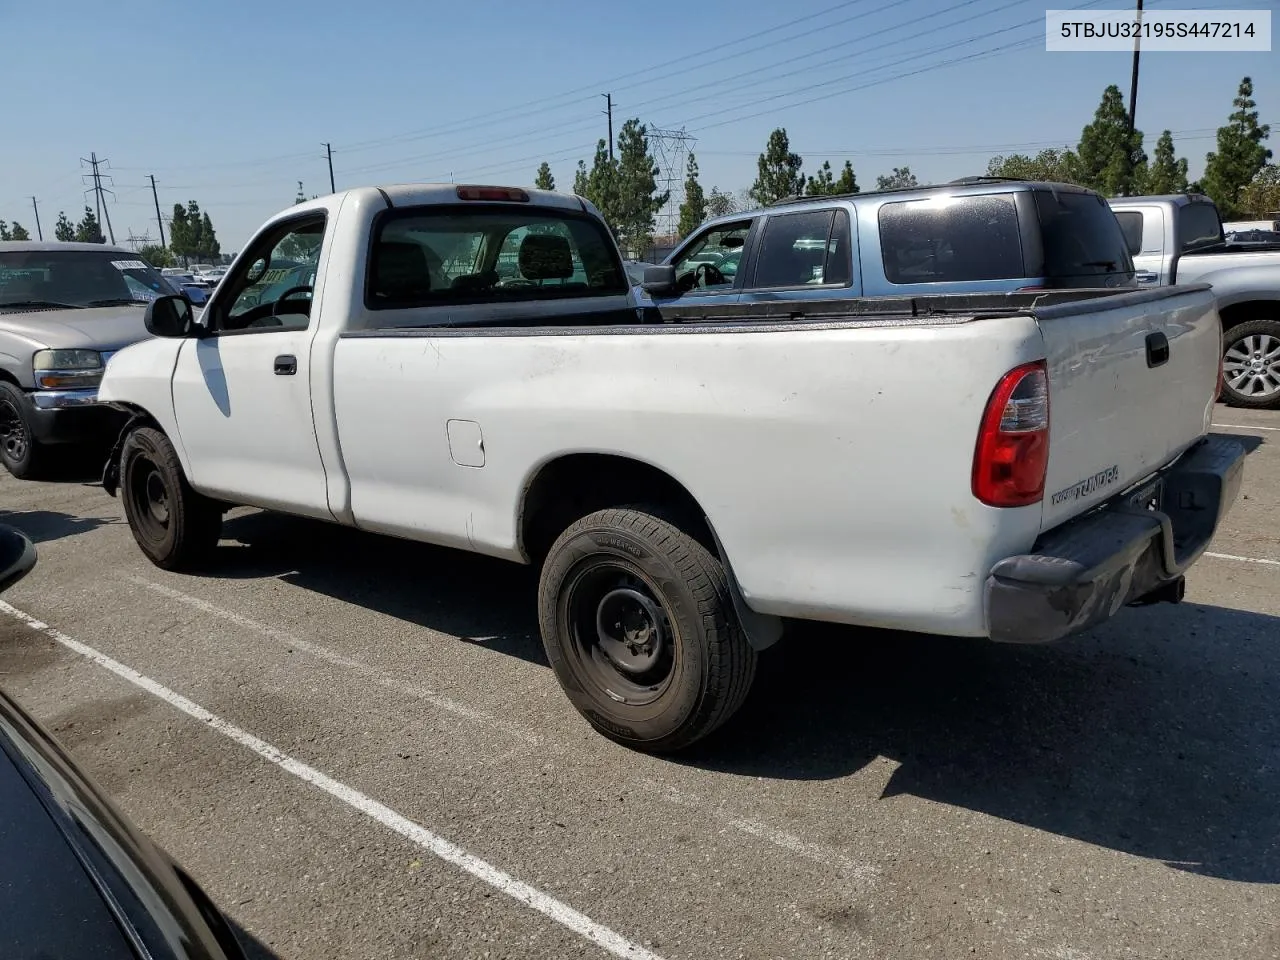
[176, 527]
[20, 453]
[1251, 364]
[638, 623]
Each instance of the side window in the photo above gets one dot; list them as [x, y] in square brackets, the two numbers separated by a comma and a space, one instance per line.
[1131, 226]
[961, 239]
[1198, 226]
[802, 249]
[712, 260]
[273, 287]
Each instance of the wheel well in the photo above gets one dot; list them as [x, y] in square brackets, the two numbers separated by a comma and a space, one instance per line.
[1239, 313]
[8, 377]
[569, 488]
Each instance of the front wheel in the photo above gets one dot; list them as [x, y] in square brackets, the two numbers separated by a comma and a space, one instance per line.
[638, 623]
[20, 453]
[176, 527]
[1251, 364]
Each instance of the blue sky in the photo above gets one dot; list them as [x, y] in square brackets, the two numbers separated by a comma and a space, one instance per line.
[228, 103]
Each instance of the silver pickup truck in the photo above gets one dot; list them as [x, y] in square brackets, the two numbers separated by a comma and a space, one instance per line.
[65, 308]
[1179, 240]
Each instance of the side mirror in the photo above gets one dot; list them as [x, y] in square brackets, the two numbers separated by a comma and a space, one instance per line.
[17, 556]
[659, 281]
[169, 317]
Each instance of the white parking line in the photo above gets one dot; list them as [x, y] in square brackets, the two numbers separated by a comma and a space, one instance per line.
[518, 890]
[1242, 426]
[1230, 556]
[810, 850]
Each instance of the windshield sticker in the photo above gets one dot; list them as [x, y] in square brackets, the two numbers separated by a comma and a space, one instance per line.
[123, 265]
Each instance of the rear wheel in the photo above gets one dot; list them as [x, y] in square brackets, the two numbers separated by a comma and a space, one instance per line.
[176, 527]
[1251, 364]
[639, 626]
[21, 455]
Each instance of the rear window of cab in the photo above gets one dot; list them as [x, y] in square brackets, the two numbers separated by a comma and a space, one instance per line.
[500, 253]
[948, 239]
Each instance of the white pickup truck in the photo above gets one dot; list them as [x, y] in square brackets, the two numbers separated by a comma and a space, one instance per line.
[467, 366]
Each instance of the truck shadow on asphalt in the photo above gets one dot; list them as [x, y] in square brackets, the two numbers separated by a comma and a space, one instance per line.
[1157, 734]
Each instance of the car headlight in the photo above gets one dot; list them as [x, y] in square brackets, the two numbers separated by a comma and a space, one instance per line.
[67, 369]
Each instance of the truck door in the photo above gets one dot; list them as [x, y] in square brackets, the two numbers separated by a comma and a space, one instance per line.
[707, 266]
[242, 394]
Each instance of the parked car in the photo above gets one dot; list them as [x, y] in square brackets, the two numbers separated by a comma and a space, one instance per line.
[1178, 240]
[78, 881]
[965, 465]
[65, 308]
[978, 235]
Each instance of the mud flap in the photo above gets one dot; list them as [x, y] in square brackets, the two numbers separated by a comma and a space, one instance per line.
[111, 472]
[762, 630]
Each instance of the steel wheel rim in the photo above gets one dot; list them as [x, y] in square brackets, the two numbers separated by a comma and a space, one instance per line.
[149, 497]
[622, 637]
[1251, 366]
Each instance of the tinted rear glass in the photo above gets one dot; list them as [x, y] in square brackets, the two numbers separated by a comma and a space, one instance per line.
[951, 239]
[1199, 226]
[1081, 235]
[1131, 226]
[804, 248]
[495, 254]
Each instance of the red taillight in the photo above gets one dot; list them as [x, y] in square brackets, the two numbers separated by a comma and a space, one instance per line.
[1013, 442]
[493, 193]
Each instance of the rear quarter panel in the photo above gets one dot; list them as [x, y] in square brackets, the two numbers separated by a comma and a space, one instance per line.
[834, 463]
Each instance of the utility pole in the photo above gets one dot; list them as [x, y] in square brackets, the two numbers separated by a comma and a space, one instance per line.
[36, 210]
[328, 149]
[1133, 86]
[156, 197]
[608, 99]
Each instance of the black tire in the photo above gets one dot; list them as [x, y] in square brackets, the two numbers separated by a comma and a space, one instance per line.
[174, 526]
[1251, 357]
[20, 452]
[675, 665]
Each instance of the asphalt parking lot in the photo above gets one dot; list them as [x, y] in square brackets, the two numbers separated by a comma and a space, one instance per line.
[385, 766]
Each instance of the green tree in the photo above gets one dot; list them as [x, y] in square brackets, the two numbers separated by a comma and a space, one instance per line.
[600, 184]
[778, 171]
[19, 232]
[1168, 173]
[209, 247]
[720, 204]
[1261, 198]
[823, 183]
[901, 177]
[4, 231]
[1240, 154]
[1053, 165]
[544, 180]
[63, 230]
[156, 255]
[1111, 160]
[694, 209]
[847, 183]
[181, 237]
[88, 230]
[637, 187]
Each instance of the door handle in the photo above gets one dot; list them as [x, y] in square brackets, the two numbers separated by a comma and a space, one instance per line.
[286, 365]
[1157, 349]
[1146, 276]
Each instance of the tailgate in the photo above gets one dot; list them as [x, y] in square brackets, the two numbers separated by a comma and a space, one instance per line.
[1132, 382]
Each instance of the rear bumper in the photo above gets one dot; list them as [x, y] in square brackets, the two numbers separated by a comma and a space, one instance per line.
[1084, 571]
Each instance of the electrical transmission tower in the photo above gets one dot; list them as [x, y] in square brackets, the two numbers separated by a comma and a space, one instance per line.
[671, 153]
[99, 191]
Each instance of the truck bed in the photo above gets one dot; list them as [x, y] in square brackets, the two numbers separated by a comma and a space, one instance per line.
[831, 445]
